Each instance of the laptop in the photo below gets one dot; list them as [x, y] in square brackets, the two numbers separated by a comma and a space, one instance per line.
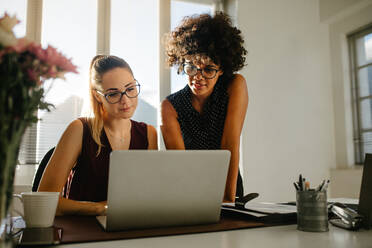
[149, 189]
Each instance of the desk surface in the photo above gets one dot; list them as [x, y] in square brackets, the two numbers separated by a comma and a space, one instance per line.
[279, 236]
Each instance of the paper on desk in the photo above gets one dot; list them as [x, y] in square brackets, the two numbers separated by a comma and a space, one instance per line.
[344, 200]
[270, 208]
[228, 204]
[244, 212]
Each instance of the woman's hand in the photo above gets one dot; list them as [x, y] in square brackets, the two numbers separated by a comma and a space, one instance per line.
[102, 208]
[71, 207]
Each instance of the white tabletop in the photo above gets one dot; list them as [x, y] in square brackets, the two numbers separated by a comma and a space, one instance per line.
[279, 236]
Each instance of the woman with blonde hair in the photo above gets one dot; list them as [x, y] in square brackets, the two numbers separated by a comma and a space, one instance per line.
[79, 165]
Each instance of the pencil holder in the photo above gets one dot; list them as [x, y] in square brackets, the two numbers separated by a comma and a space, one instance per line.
[312, 211]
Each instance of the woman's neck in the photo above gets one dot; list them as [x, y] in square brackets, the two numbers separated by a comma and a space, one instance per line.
[198, 102]
[117, 127]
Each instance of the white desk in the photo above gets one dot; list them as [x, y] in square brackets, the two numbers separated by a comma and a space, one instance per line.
[279, 236]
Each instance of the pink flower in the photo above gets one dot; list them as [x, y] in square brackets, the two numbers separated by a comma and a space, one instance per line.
[53, 57]
[32, 74]
[66, 65]
[36, 62]
[21, 46]
[37, 50]
[52, 72]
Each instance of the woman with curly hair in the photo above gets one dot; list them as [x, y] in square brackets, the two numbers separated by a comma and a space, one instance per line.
[209, 112]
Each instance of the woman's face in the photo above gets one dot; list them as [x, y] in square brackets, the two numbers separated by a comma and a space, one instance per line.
[202, 83]
[114, 82]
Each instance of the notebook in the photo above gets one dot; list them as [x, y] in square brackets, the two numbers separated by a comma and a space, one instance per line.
[150, 189]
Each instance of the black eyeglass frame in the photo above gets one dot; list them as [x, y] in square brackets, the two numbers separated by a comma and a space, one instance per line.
[199, 69]
[121, 93]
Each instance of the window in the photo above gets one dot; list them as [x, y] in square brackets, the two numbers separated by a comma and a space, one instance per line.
[119, 27]
[360, 45]
[134, 37]
[75, 37]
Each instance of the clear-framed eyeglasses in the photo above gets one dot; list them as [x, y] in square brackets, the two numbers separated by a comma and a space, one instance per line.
[115, 96]
[207, 72]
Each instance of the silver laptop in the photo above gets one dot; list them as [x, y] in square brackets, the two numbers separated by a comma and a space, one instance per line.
[149, 189]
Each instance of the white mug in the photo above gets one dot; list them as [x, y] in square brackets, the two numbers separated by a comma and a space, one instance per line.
[39, 208]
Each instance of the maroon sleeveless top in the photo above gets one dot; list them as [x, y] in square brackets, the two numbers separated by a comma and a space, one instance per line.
[88, 180]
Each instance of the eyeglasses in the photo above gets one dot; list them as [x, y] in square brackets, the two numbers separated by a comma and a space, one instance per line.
[206, 72]
[115, 96]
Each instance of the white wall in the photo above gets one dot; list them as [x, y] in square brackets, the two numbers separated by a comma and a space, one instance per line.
[331, 8]
[289, 127]
[341, 81]
[347, 176]
[299, 114]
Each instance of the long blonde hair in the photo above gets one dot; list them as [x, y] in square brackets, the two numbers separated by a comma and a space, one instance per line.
[99, 65]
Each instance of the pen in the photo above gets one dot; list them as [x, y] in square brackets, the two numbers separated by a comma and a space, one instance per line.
[307, 185]
[300, 182]
[320, 186]
[325, 186]
[303, 183]
[296, 186]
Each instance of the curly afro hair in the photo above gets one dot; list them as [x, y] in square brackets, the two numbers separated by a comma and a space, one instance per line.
[208, 36]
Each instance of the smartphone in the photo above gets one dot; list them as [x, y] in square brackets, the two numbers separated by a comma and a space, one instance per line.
[41, 236]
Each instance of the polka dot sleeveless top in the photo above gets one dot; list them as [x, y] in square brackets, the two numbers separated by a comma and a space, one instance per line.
[201, 131]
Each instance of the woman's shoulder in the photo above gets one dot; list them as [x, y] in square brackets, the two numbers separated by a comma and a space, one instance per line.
[76, 125]
[142, 127]
[237, 85]
[177, 102]
[140, 132]
[167, 108]
[74, 130]
[138, 124]
[174, 97]
[236, 81]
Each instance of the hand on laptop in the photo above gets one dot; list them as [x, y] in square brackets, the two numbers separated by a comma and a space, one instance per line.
[102, 208]
[72, 207]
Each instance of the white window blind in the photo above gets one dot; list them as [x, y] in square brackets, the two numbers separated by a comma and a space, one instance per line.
[361, 63]
[65, 27]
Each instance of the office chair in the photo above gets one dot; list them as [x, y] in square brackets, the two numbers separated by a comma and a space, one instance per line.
[40, 169]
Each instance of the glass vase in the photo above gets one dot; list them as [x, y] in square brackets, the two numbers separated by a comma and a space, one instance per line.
[9, 149]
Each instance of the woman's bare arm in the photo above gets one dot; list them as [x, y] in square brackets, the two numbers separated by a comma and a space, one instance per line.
[238, 103]
[58, 169]
[152, 138]
[170, 127]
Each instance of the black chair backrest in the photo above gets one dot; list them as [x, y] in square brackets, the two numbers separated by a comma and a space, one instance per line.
[40, 169]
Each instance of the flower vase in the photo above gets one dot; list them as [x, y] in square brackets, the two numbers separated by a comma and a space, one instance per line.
[9, 149]
[6, 238]
[24, 66]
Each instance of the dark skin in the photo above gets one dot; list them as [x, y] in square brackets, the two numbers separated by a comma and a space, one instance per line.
[238, 102]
